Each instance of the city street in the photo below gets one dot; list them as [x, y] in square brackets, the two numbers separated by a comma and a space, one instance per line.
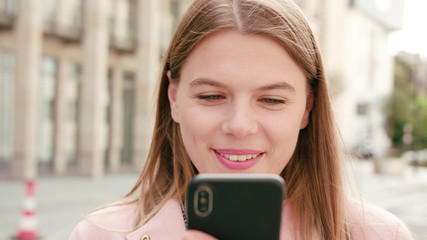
[405, 194]
[62, 201]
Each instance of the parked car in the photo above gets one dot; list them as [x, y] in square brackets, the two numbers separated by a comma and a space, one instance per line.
[364, 150]
[416, 157]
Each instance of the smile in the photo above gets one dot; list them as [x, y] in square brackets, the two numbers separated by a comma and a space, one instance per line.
[239, 158]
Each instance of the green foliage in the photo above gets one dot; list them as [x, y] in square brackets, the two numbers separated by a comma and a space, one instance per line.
[420, 123]
[405, 106]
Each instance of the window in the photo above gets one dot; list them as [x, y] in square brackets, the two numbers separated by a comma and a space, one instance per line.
[49, 9]
[128, 114]
[73, 17]
[7, 94]
[47, 104]
[71, 91]
[362, 109]
[8, 6]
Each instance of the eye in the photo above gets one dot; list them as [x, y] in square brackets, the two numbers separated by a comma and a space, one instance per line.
[210, 97]
[273, 101]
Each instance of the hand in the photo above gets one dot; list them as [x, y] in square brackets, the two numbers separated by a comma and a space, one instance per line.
[197, 235]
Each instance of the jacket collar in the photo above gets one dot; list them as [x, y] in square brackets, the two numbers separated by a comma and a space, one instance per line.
[168, 223]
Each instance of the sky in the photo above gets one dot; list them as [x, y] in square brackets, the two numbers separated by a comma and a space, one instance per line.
[413, 36]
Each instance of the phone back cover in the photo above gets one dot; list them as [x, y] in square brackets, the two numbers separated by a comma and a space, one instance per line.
[242, 209]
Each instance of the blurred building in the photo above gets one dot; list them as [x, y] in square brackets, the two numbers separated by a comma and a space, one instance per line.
[353, 36]
[76, 83]
[418, 67]
[77, 78]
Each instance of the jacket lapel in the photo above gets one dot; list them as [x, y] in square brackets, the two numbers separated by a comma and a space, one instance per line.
[168, 223]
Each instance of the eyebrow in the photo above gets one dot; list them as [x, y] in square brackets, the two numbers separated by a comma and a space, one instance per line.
[280, 85]
[206, 81]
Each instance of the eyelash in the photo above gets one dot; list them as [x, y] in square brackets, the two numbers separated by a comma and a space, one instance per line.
[273, 101]
[270, 101]
[210, 97]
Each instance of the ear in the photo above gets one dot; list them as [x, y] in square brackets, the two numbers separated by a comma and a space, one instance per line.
[172, 92]
[309, 105]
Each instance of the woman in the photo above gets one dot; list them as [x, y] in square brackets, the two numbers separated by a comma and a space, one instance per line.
[243, 90]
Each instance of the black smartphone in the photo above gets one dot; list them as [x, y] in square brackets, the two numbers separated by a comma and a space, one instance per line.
[236, 206]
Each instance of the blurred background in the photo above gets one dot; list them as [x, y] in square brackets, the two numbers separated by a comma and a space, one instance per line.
[77, 84]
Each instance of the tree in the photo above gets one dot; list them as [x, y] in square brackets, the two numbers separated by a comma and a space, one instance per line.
[406, 107]
[420, 123]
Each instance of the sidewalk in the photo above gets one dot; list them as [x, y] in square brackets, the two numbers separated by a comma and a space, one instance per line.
[403, 195]
[61, 202]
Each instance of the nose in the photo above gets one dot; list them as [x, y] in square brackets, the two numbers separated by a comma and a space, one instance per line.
[240, 121]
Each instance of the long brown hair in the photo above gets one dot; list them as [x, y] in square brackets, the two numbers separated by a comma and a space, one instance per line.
[313, 178]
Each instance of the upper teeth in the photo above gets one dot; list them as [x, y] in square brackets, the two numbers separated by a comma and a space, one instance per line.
[239, 157]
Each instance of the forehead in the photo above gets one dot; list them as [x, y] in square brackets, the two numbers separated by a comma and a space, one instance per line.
[229, 42]
[231, 55]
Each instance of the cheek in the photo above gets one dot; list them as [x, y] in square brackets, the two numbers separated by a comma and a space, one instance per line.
[285, 147]
[283, 126]
[197, 128]
[196, 122]
[283, 136]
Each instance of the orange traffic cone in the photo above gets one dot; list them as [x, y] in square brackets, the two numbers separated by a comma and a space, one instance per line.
[28, 225]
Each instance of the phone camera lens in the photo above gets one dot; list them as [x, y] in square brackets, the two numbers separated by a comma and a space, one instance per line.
[203, 201]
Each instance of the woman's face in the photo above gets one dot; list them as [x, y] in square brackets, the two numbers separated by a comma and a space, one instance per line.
[240, 102]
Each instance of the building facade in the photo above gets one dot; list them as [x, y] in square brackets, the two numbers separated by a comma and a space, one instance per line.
[353, 37]
[77, 82]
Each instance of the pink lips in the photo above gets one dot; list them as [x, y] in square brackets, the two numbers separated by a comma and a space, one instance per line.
[237, 165]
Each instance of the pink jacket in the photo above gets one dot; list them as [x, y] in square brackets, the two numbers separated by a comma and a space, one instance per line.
[367, 222]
